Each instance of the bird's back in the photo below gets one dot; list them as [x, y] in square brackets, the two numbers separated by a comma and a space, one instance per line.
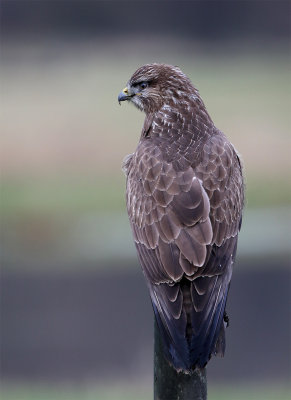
[162, 189]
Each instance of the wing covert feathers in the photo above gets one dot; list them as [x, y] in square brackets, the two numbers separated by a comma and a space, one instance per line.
[185, 200]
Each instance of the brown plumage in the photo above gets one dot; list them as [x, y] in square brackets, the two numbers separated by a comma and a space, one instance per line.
[184, 199]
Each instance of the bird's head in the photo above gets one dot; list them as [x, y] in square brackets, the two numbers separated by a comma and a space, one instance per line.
[154, 85]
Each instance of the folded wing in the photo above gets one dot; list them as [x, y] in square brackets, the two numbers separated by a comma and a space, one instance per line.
[185, 223]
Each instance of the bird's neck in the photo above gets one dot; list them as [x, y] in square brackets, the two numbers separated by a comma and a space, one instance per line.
[180, 117]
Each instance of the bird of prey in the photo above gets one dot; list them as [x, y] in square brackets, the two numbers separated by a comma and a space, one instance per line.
[185, 195]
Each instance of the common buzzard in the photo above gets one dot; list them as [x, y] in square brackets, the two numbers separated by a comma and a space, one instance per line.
[185, 196]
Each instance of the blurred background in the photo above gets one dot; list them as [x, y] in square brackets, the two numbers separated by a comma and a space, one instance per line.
[76, 319]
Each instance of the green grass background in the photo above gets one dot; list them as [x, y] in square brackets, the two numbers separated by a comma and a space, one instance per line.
[64, 137]
[266, 392]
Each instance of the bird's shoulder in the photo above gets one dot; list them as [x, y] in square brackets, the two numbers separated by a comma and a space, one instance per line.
[220, 171]
[211, 178]
[212, 159]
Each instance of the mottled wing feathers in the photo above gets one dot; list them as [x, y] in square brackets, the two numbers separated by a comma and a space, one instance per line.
[169, 212]
[220, 172]
[185, 216]
[190, 312]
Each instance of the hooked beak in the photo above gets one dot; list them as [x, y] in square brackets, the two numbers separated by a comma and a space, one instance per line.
[124, 95]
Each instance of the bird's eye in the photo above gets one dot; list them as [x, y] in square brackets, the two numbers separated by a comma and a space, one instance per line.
[143, 85]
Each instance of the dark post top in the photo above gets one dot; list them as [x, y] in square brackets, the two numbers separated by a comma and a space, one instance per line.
[172, 385]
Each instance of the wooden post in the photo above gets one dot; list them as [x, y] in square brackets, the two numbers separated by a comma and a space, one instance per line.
[172, 385]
